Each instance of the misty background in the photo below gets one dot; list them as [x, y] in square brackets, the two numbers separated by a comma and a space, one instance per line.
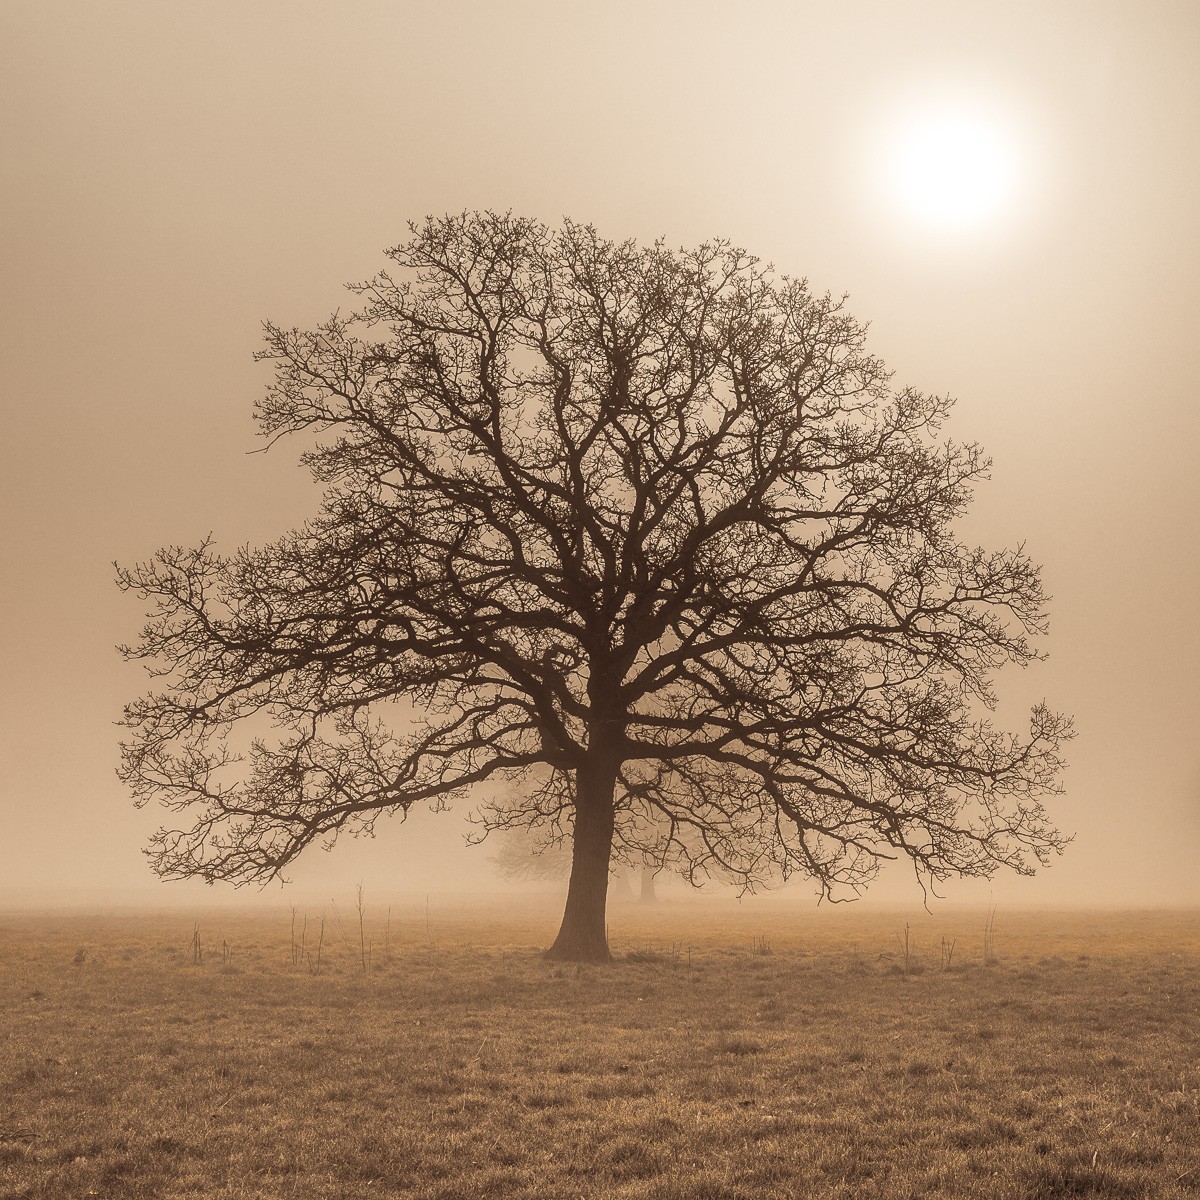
[173, 175]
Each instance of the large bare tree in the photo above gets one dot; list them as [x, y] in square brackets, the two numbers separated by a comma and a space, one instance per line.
[643, 538]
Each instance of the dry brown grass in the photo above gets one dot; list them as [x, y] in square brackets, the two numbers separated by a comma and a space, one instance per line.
[738, 1052]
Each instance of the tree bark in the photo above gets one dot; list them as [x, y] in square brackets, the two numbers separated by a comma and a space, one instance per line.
[648, 894]
[583, 936]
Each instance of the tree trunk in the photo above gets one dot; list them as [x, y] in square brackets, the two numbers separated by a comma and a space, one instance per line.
[583, 936]
[648, 894]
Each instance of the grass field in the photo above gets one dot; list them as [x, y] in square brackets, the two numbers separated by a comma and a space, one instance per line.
[733, 1051]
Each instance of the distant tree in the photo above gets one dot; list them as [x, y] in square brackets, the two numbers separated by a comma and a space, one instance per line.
[521, 856]
[648, 528]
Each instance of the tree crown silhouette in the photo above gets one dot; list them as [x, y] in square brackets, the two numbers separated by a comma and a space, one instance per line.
[646, 539]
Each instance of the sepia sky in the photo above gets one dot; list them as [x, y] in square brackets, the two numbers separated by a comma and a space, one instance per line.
[173, 174]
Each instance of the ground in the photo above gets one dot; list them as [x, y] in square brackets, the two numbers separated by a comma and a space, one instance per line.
[733, 1051]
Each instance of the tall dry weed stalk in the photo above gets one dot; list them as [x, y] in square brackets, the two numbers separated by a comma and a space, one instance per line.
[360, 906]
[947, 953]
[316, 969]
[989, 938]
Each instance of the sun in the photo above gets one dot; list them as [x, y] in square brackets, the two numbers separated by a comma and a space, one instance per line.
[954, 168]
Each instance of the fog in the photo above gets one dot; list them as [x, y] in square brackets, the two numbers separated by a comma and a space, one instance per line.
[176, 174]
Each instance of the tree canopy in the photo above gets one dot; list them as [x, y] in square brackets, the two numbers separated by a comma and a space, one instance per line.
[645, 540]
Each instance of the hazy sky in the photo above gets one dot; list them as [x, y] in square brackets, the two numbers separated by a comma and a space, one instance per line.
[175, 173]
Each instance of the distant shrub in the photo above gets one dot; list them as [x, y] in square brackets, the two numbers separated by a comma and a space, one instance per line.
[646, 956]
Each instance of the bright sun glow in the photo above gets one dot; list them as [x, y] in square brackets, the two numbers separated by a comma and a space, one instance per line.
[954, 169]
